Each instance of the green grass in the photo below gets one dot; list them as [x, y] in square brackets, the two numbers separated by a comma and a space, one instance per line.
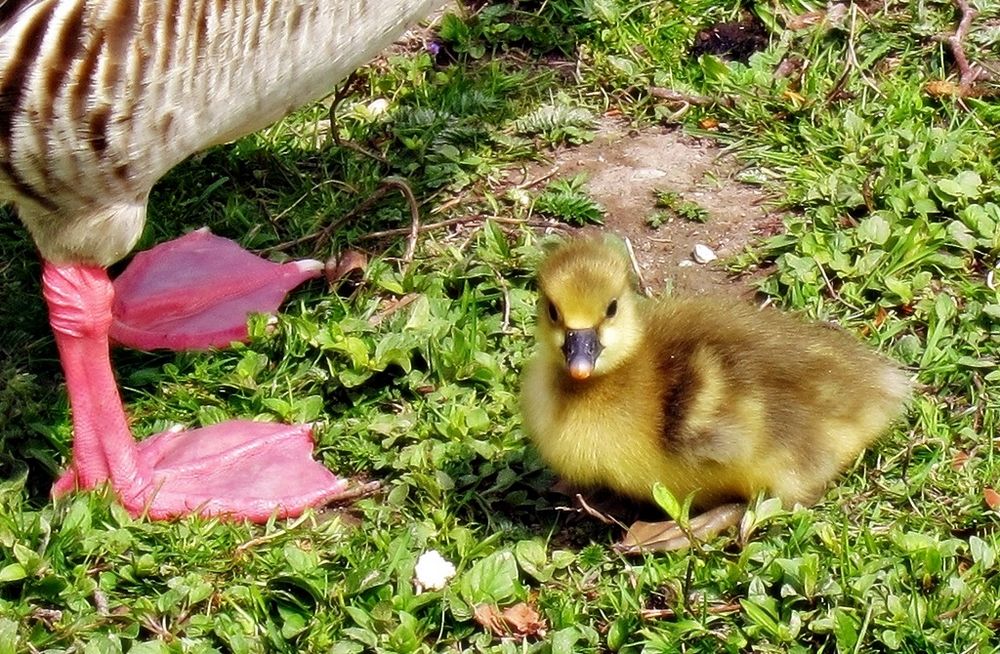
[892, 206]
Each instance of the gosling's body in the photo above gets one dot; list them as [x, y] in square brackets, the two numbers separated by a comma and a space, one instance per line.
[701, 395]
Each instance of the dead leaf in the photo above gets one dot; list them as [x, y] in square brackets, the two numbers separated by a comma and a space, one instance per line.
[347, 263]
[392, 306]
[521, 620]
[939, 88]
[942, 88]
[992, 498]
[488, 616]
[709, 123]
[788, 67]
[645, 536]
[524, 620]
[959, 460]
[808, 19]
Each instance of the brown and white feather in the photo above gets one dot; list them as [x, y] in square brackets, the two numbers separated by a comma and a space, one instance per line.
[100, 98]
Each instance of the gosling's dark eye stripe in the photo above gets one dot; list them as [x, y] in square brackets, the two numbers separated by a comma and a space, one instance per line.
[612, 309]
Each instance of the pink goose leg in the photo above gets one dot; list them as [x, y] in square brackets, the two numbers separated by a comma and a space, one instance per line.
[240, 469]
[194, 293]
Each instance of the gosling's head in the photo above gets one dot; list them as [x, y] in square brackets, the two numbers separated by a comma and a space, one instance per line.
[587, 307]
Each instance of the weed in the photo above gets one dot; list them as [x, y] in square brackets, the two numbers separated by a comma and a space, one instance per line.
[567, 200]
[891, 201]
[673, 202]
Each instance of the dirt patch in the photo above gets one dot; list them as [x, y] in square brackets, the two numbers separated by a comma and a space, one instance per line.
[624, 169]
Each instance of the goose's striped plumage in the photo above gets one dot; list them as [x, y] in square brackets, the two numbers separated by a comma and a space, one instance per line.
[98, 99]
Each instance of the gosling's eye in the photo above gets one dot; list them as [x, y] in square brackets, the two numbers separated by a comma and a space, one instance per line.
[553, 311]
[612, 309]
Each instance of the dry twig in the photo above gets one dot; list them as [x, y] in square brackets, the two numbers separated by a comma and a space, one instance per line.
[324, 234]
[968, 73]
[635, 267]
[671, 95]
[661, 614]
[404, 188]
[451, 222]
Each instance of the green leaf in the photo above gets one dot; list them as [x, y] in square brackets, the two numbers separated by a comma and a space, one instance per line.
[8, 636]
[845, 628]
[760, 615]
[925, 206]
[875, 230]
[564, 640]
[533, 559]
[148, 647]
[492, 580]
[12, 572]
[962, 235]
[971, 362]
[307, 409]
[982, 552]
[964, 185]
[453, 28]
[666, 501]
[300, 560]
[626, 66]
[477, 420]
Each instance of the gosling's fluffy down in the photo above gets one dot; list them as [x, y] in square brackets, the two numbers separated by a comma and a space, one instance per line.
[704, 395]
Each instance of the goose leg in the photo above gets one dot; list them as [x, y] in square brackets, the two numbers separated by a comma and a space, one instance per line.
[195, 292]
[240, 469]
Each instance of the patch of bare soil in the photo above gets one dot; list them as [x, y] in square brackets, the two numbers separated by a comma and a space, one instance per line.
[624, 169]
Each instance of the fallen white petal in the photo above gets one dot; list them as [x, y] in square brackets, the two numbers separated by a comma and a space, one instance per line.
[432, 571]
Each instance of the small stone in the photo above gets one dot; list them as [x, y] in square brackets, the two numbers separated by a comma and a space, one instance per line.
[703, 254]
[378, 106]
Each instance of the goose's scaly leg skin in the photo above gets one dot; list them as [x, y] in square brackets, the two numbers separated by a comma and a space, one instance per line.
[239, 469]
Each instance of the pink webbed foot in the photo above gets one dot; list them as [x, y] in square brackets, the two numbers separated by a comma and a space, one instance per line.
[240, 469]
[195, 292]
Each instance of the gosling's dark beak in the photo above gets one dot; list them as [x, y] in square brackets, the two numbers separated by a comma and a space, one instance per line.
[581, 349]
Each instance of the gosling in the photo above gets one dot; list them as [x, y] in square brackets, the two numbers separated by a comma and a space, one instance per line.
[703, 395]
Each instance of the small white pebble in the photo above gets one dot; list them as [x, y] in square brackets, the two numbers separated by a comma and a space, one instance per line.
[378, 106]
[520, 197]
[432, 571]
[703, 254]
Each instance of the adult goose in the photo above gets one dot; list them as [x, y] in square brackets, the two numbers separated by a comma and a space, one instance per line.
[100, 98]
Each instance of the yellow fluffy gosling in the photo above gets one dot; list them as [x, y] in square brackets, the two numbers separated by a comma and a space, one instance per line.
[704, 395]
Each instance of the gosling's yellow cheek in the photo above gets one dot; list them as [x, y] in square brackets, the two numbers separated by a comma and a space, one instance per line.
[617, 343]
[554, 339]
